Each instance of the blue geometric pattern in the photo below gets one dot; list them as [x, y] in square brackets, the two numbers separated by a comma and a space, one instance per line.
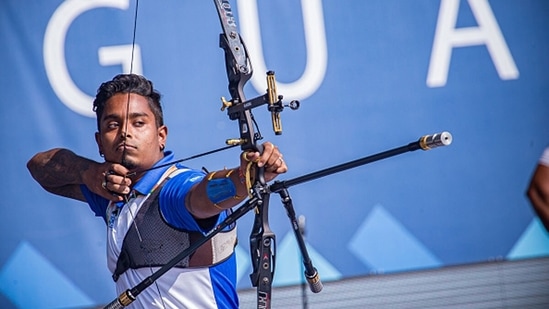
[242, 263]
[289, 263]
[27, 273]
[384, 244]
[534, 242]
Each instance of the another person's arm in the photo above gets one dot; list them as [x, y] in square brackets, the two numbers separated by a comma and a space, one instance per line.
[538, 193]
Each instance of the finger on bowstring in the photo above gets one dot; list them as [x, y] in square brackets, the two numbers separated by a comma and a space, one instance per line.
[120, 189]
[123, 180]
[110, 193]
[118, 169]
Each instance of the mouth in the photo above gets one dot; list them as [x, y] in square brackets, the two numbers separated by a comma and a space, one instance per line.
[125, 147]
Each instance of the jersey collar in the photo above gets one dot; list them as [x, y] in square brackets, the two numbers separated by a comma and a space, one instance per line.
[147, 182]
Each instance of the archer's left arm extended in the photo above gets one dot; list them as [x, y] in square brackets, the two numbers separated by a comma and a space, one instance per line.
[226, 188]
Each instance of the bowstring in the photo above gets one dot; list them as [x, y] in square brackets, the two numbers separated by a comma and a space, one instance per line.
[125, 131]
[134, 33]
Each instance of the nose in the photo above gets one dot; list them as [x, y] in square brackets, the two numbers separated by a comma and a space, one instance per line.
[125, 134]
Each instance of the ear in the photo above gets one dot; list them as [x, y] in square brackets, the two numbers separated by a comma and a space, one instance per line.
[98, 141]
[162, 136]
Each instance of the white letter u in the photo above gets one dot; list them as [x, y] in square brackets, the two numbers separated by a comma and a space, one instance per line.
[315, 40]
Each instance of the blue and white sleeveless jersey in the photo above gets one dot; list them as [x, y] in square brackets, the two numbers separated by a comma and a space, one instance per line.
[204, 287]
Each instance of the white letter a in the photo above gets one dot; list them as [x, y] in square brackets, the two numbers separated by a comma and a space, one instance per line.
[448, 37]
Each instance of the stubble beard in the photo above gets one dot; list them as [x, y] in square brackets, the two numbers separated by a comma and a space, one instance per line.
[128, 163]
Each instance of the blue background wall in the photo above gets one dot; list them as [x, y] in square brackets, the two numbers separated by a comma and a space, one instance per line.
[371, 90]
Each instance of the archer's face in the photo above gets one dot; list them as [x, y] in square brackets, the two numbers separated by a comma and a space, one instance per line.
[130, 137]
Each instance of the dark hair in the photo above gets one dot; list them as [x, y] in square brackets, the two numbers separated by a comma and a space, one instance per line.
[128, 83]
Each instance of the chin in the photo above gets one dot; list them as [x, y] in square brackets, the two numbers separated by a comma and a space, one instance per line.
[129, 163]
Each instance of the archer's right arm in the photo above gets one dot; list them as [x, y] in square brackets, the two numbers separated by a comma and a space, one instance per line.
[60, 171]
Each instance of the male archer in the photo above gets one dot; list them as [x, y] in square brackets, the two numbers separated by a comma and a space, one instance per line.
[153, 214]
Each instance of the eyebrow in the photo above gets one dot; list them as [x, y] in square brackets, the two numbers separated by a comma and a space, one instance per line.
[130, 116]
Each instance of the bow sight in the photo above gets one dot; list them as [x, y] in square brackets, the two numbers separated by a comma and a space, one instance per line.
[239, 71]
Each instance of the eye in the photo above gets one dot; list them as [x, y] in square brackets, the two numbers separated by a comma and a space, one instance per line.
[139, 123]
[112, 125]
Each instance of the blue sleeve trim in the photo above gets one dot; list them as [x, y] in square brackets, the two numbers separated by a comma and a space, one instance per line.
[96, 203]
[172, 200]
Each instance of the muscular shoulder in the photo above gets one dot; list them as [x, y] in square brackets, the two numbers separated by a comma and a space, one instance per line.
[173, 196]
[180, 183]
